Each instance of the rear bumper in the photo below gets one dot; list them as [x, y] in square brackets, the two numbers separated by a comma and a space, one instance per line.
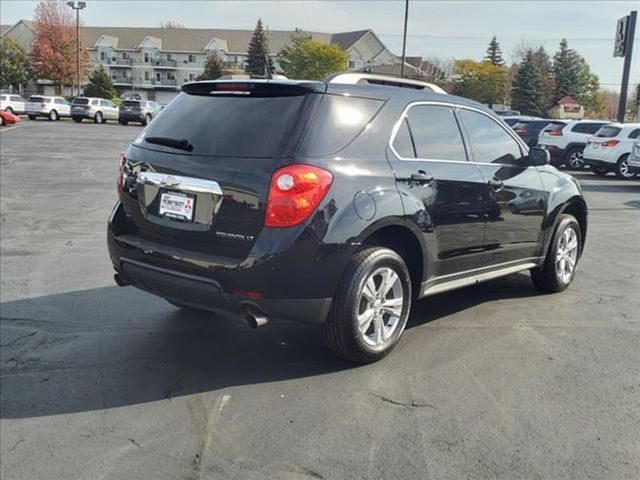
[296, 283]
[131, 116]
[80, 114]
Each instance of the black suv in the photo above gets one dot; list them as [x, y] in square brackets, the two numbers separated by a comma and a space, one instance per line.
[335, 204]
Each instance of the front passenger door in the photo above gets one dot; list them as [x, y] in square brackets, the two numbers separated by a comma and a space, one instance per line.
[516, 201]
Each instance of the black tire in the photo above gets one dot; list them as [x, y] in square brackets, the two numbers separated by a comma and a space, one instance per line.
[31, 117]
[146, 120]
[98, 118]
[340, 331]
[622, 168]
[77, 119]
[600, 171]
[123, 122]
[9, 110]
[53, 116]
[574, 159]
[546, 277]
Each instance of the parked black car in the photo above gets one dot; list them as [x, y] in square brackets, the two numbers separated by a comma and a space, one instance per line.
[529, 130]
[335, 204]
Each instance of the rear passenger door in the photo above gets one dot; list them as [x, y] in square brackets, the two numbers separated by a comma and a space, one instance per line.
[515, 198]
[442, 192]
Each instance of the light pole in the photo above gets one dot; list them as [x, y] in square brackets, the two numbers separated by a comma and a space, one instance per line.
[404, 37]
[77, 6]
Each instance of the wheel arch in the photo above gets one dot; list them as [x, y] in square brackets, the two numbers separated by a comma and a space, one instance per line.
[401, 239]
[578, 208]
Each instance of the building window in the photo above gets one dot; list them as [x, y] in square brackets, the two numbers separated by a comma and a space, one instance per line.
[126, 55]
[146, 76]
[191, 77]
[352, 64]
[192, 58]
[147, 57]
[103, 56]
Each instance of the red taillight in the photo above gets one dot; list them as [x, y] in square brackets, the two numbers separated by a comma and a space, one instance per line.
[295, 192]
[555, 133]
[610, 143]
[121, 163]
[521, 131]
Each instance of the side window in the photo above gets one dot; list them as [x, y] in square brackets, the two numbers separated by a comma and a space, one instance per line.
[592, 127]
[436, 134]
[60, 101]
[105, 103]
[16, 99]
[94, 102]
[402, 144]
[634, 133]
[490, 143]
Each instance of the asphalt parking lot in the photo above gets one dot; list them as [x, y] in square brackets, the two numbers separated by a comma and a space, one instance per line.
[495, 381]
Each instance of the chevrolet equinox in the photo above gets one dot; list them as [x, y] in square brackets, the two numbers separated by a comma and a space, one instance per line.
[337, 204]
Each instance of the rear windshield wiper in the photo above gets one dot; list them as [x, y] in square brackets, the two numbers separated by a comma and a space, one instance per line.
[179, 143]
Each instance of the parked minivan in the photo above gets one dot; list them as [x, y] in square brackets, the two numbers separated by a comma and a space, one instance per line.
[97, 109]
[338, 205]
[50, 107]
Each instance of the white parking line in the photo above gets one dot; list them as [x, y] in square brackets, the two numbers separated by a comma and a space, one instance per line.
[8, 129]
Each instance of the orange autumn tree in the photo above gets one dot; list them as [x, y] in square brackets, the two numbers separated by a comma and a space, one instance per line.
[53, 52]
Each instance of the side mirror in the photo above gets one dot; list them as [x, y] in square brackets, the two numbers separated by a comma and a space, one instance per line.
[538, 156]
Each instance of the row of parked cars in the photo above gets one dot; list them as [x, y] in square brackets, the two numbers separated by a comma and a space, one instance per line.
[98, 110]
[601, 145]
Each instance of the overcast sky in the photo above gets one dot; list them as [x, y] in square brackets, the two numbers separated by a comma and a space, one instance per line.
[459, 29]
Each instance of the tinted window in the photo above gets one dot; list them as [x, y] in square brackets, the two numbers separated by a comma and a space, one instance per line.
[61, 101]
[80, 101]
[435, 133]
[34, 98]
[490, 143]
[634, 133]
[131, 103]
[105, 103]
[510, 121]
[338, 121]
[590, 128]
[520, 125]
[403, 144]
[16, 99]
[3, 97]
[608, 132]
[229, 126]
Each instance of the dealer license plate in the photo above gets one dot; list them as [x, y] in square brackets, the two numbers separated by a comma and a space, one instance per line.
[177, 205]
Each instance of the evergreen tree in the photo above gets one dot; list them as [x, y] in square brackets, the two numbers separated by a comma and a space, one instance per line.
[213, 67]
[99, 85]
[568, 68]
[542, 59]
[258, 53]
[15, 67]
[494, 52]
[527, 94]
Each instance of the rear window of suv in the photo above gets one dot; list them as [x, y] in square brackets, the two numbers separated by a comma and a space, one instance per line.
[228, 126]
[131, 103]
[554, 127]
[39, 99]
[80, 101]
[608, 132]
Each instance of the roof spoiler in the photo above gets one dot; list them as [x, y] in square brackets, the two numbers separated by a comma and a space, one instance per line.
[253, 88]
[352, 78]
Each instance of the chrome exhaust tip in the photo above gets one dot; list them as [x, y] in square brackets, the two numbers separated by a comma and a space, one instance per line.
[255, 319]
[120, 280]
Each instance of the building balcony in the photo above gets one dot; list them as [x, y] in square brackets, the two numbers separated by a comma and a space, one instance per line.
[117, 62]
[166, 82]
[117, 81]
[157, 63]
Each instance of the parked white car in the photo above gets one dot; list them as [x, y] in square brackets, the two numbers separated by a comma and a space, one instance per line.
[609, 149]
[566, 143]
[13, 103]
[50, 107]
[634, 158]
[97, 109]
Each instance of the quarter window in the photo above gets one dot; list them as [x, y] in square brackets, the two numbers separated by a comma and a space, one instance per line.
[402, 144]
[490, 142]
[435, 133]
[634, 133]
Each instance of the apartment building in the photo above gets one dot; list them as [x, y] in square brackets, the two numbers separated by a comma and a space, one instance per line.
[155, 62]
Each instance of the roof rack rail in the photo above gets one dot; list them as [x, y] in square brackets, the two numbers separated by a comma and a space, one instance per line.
[352, 78]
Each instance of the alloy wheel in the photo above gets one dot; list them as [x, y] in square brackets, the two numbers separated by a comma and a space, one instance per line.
[576, 160]
[380, 307]
[567, 255]
[623, 168]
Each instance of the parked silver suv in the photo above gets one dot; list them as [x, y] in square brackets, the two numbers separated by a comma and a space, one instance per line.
[51, 107]
[142, 111]
[13, 103]
[97, 109]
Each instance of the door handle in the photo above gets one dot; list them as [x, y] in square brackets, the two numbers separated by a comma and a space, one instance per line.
[496, 184]
[421, 177]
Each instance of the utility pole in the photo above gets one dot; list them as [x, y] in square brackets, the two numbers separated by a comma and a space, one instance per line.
[404, 37]
[625, 33]
[77, 6]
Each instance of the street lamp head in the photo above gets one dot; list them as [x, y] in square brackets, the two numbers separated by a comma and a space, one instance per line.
[77, 5]
[71, 4]
[81, 5]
